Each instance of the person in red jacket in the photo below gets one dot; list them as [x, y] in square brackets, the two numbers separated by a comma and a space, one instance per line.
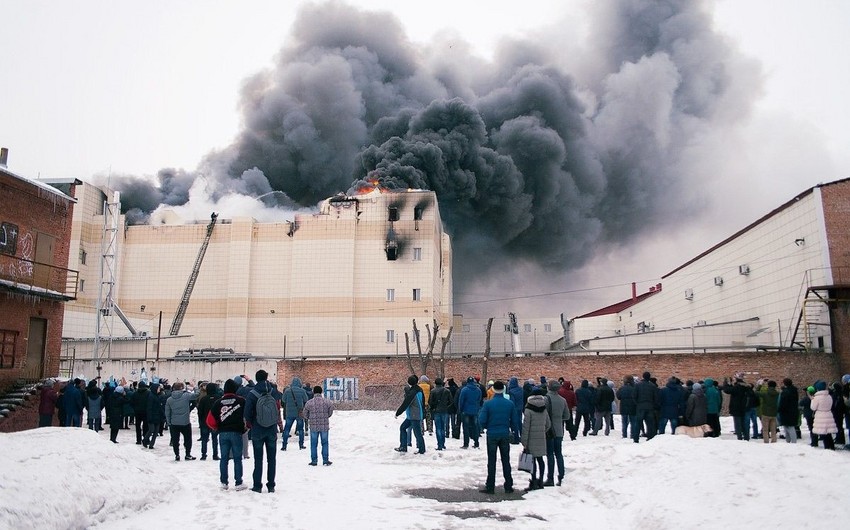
[569, 394]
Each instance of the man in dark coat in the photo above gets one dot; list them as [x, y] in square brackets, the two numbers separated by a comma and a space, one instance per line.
[499, 417]
[139, 401]
[672, 405]
[603, 401]
[584, 406]
[468, 406]
[646, 398]
[73, 400]
[155, 413]
[628, 406]
[738, 405]
[115, 411]
[454, 417]
[439, 402]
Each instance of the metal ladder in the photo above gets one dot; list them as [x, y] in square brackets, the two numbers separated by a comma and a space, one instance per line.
[193, 277]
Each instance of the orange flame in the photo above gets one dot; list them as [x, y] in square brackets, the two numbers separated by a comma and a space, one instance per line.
[372, 185]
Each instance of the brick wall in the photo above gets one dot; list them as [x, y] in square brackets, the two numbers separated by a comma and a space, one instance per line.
[803, 368]
[836, 211]
[33, 210]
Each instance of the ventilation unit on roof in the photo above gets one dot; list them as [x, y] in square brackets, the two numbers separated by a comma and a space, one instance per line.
[718, 280]
[689, 294]
[743, 269]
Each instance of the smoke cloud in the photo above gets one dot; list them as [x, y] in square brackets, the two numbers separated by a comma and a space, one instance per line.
[539, 158]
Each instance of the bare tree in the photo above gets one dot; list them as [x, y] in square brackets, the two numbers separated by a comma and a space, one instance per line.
[486, 349]
[445, 341]
[427, 356]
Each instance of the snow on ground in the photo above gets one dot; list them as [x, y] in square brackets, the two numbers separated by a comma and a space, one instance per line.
[74, 478]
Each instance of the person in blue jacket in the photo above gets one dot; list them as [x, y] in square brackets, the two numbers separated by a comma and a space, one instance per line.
[468, 406]
[413, 407]
[499, 418]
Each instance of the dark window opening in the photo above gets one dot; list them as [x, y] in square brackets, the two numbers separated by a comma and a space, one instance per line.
[417, 213]
[393, 213]
[392, 251]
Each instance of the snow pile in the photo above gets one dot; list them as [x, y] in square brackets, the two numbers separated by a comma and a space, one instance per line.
[73, 478]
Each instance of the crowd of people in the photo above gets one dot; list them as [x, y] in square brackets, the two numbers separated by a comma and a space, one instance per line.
[242, 413]
[537, 414]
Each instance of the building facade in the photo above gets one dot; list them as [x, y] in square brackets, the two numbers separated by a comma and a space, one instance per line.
[783, 282]
[348, 280]
[35, 232]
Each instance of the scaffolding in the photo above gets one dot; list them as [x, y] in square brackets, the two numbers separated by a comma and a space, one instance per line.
[106, 289]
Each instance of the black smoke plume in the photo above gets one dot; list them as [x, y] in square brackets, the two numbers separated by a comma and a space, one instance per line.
[538, 157]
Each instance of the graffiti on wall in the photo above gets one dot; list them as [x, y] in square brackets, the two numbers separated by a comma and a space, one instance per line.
[341, 388]
[8, 238]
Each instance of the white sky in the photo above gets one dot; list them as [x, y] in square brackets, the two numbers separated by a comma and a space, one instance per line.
[103, 87]
[74, 478]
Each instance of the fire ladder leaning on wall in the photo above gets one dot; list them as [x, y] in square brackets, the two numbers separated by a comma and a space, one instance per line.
[190, 285]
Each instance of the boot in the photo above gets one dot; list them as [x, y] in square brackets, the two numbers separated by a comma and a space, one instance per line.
[531, 484]
[560, 479]
[549, 482]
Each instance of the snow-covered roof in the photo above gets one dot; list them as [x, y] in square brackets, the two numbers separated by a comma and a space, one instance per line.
[39, 184]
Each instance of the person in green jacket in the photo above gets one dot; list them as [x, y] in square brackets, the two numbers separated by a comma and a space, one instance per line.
[769, 409]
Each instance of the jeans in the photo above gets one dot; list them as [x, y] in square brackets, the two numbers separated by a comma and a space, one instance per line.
[662, 424]
[470, 429]
[262, 438]
[503, 444]
[73, 419]
[231, 447]
[417, 433]
[750, 419]
[45, 420]
[176, 432]
[441, 425]
[627, 421]
[314, 442]
[205, 438]
[299, 430]
[554, 454]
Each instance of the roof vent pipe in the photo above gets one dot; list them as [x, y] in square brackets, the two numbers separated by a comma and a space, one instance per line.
[634, 292]
[4, 156]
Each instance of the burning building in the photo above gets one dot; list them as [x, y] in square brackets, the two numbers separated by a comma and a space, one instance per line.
[347, 280]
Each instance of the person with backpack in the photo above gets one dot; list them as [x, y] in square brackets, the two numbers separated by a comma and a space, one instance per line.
[440, 401]
[262, 416]
[294, 398]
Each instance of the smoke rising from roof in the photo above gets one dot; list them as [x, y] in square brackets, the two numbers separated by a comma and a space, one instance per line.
[538, 157]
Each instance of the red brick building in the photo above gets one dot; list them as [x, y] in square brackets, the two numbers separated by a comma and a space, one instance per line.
[35, 233]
